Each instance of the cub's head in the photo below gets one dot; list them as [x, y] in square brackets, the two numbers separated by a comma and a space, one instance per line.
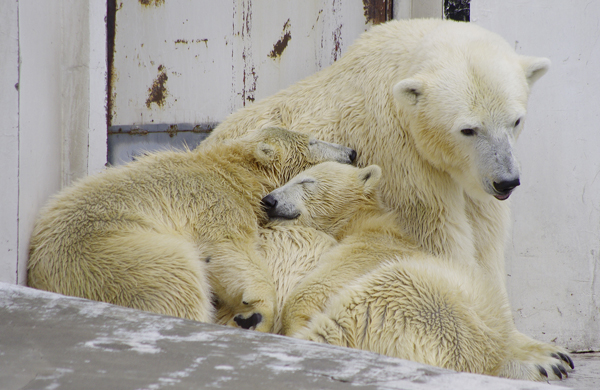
[283, 153]
[465, 105]
[325, 196]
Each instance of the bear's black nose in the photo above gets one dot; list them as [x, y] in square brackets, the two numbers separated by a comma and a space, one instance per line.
[268, 202]
[504, 187]
[352, 155]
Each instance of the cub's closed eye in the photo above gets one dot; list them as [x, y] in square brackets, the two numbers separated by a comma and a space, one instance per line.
[307, 181]
[468, 132]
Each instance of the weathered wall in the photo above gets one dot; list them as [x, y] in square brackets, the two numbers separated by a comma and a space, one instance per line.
[197, 62]
[54, 123]
[9, 139]
[553, 258]
[177, 69]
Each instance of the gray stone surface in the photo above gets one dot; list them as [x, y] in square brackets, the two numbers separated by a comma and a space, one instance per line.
[586, 375]
[49, 341]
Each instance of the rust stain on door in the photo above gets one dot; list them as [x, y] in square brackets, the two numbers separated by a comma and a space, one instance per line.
[282, 43]
[150, 3]
[249, 76]
[111, 74]
[157, 93]
[377, 11]
[336, 51]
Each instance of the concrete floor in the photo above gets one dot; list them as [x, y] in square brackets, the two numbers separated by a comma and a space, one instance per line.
[586, 375]
[49, 341]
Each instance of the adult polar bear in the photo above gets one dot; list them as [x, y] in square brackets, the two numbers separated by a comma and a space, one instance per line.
[437, 105]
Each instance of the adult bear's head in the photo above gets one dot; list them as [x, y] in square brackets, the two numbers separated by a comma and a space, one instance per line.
[465, 103]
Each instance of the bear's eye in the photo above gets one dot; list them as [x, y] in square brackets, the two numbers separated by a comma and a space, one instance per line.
[468, 132]
[517, 122]
[307, 181]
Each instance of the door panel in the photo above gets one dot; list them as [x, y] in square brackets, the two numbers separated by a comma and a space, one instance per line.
[179, 68]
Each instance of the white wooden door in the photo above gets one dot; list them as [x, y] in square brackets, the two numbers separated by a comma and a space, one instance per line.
[180, 67]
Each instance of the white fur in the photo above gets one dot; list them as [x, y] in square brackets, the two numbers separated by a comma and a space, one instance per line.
[438, 181]
[374, 290]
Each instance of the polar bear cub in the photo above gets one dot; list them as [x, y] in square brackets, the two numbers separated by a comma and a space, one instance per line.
[172, 230]
[375, 291]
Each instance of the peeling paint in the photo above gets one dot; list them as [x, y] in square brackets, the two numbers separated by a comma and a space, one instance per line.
[132, 130]
[158, 92]
[250, 54]
[137, 131]
[172, 130]
[111, 77]
[337, 43]
[377, 11]
[186, 42]
[282, 43]
[205, 127]
[336, 51]
[250, 77]
[150, 3]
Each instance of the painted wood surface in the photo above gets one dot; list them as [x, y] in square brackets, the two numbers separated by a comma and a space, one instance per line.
[553, 256]
[9, 140]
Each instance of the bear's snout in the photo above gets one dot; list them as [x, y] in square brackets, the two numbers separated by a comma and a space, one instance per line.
[352, 156]
[269, 203]
[277, 210]
[504, 188]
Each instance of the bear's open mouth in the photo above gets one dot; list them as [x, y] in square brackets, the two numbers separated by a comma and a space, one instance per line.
[502, 196]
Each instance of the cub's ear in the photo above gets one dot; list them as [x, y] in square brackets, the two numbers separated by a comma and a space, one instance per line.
[265, 153]
[369, 177]
[408, 90]
[534, 67]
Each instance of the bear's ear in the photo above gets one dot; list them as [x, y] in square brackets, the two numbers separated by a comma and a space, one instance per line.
[369, 177]
[408, 90]
[534, 67]
[265, 153]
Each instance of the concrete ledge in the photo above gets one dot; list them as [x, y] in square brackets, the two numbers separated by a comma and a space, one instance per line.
[50, 341]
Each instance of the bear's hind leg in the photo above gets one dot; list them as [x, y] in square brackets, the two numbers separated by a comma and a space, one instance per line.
[242, 285]
[160, 272]
[322, 328]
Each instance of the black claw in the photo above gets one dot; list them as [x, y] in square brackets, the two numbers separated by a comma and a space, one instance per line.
[563, 370]
[542, 371]
[557, 372]
[555, 356]
[567, 359]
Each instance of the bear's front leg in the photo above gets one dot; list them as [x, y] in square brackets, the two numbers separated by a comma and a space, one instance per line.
[337, 268]
[307, 300]
[244, 291]
[534, 360]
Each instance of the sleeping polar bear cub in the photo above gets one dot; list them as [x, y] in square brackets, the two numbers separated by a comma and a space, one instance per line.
[376, 291]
